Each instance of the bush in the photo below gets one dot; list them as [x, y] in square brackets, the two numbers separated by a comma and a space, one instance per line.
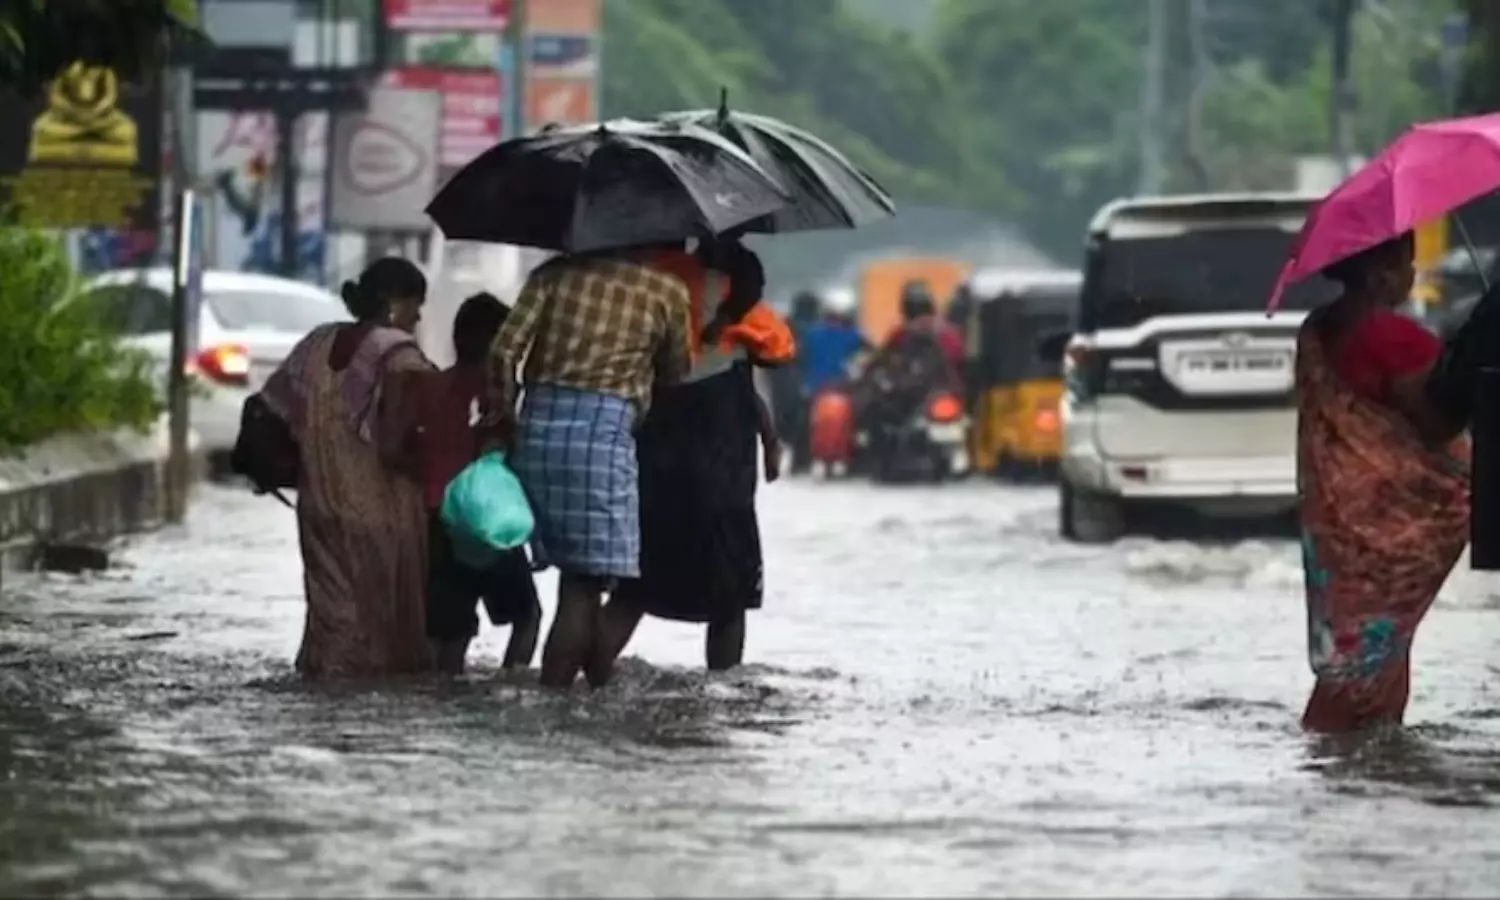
[61, 367]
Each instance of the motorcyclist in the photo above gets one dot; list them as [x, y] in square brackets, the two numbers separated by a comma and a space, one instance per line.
[828, 346]
[919, 317]
[827, 339]
[924, 354]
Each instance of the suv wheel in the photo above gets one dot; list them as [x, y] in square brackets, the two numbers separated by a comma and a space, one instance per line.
[1087, 517]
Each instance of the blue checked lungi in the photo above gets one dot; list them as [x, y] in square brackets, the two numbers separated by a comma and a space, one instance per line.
[575, 457]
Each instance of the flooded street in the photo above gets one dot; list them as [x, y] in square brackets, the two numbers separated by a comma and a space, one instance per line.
[944, 699]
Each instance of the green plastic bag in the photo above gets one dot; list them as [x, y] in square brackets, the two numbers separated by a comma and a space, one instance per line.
[486, 512]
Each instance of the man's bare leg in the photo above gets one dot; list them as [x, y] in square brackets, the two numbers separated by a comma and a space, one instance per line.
[617, 623]
[725, 645]
[573, 631]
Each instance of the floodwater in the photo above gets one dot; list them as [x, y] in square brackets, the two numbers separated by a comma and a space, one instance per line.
[944, 700]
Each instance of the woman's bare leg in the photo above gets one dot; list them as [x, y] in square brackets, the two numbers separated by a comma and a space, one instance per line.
[725, 646]
[573, 631]
[523, 637]
[1342, 707]
[617, 623]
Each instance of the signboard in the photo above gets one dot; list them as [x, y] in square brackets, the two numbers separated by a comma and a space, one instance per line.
[564, 55]
[448, 15]
[566, 101]
[563, 16]
[451, 50]
[471, 115]
[86, 154]
[386, 167]
[562, 62]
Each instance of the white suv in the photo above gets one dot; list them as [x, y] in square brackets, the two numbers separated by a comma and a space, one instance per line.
[1179, 386]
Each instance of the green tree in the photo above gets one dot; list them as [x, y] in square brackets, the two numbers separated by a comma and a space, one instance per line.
[1480, 90]
[61, 367]
[1255, 125]
[40, 38]
[1054, 89]
[876, 95]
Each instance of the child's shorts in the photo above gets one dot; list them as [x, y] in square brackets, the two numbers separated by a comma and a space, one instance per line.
[455, 590]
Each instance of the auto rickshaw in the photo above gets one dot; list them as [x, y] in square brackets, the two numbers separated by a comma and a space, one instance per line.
[1014, 391]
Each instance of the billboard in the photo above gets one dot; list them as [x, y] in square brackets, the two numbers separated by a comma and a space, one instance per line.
[447, 15]
[562, 62]
[471, 116]
[565, 101]
[563, 16]
[386, 161]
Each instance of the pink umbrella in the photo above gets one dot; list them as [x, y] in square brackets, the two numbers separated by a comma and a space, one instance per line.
[1429, 171]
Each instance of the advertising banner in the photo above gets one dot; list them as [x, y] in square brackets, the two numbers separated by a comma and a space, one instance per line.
[471, 114]
[386, 161]
[447, 15]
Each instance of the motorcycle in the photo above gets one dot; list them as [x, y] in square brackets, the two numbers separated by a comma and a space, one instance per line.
[930, 444]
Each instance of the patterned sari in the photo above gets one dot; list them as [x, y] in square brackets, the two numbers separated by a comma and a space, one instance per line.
[362, 522]
[1384, 520]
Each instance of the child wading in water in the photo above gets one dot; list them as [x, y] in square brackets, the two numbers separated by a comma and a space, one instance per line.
[450, 439]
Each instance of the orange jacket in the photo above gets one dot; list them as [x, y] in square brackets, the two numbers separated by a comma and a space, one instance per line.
[765, 336]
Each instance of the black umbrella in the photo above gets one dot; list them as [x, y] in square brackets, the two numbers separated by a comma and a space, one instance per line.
[827, 190]
[597, 187]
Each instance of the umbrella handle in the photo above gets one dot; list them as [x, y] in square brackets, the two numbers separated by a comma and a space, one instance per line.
[1463, 233]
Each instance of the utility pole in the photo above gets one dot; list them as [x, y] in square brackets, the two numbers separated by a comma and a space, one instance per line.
[520, 68]
[1193, 128]
[186, 287]
[1341, 97]
[1153, 88]
[286, 164]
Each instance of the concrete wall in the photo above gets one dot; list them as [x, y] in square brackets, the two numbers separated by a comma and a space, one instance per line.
[80, 490]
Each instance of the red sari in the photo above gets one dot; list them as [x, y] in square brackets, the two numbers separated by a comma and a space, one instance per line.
[1384, 519]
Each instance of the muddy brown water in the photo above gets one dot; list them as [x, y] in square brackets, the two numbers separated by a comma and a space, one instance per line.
[944, 699]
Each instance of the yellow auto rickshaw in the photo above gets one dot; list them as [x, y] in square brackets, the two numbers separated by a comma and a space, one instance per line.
[1014, 391]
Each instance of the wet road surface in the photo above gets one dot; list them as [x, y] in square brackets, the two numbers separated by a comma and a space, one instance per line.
[943, 699]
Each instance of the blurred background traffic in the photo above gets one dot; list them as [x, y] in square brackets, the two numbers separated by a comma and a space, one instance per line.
[1127, 173]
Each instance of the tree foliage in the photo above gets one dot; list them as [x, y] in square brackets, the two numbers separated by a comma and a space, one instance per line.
[61, 368]
[40, 38]
[1033, 110]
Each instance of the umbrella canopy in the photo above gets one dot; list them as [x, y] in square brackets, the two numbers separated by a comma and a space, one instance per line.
[1429, 171]
[614, 184]
[827, 190]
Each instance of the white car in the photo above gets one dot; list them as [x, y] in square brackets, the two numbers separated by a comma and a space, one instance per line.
[248, 325]
[1179, 386]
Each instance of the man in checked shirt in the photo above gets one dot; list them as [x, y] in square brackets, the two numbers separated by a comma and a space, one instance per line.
[593, 334]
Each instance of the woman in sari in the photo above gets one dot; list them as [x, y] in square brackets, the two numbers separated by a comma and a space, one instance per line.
[700, 537]
[361, 515]
[1384, 489]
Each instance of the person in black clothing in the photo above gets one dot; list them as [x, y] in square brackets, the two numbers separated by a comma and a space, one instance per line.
[701, 556]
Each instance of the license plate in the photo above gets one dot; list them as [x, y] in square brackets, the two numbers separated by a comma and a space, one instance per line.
[947, 433]
[1269, 362]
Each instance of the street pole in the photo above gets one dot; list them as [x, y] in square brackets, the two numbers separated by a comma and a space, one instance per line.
[520, 67]
[1193, 132]
[1341, 97]
[1153, 87]
[286, 126]
[179, 471]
